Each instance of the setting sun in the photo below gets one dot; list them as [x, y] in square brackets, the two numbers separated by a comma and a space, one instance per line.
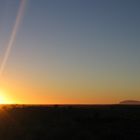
[4, 99]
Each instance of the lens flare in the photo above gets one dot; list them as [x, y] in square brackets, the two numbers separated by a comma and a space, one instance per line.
[13, 35]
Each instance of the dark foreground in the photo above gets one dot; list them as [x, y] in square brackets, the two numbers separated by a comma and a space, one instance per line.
[70, 122]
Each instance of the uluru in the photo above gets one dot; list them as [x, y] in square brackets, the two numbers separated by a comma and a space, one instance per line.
[130, 102]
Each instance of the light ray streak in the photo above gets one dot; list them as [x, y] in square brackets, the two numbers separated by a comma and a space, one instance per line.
[13, 35]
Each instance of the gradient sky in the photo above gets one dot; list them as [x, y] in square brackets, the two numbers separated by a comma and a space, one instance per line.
[72, 51]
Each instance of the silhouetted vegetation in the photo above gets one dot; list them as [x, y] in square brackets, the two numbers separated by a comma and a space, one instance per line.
[116, 122]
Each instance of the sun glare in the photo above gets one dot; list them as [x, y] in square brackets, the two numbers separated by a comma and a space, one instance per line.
[4, 98]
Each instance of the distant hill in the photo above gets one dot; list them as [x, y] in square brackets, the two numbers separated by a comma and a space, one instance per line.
[130, 102]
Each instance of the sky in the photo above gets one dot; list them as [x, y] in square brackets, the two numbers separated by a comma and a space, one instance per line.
[71, 51]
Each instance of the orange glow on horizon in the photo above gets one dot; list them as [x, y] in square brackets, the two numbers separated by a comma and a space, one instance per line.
[15, 91]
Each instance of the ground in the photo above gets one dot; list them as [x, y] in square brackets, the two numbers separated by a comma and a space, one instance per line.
[77, 122]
